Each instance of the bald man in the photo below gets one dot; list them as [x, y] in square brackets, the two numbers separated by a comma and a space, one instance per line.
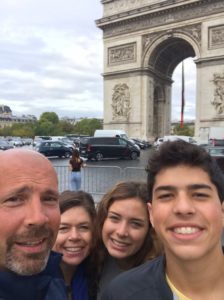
[29, 216]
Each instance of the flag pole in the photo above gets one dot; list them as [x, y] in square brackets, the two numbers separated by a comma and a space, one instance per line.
[182, 98]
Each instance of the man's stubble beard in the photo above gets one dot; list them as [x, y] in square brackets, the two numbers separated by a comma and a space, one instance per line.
[27, 264]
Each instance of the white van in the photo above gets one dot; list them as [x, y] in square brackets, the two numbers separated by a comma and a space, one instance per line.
[110, 133]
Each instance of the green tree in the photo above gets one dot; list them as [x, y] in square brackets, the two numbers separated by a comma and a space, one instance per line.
[87, 126]
[49, 124]
[66, 127]
[185, 130]
[6, 131]
[44, 128]
[19, 129]
[51, 117]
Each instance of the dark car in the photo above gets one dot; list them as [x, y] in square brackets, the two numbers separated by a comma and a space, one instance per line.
[107, 147]
[54, 148]
[139, 143]
[4, 145]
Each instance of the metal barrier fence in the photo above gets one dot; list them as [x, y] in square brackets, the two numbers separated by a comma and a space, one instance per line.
[97, 180]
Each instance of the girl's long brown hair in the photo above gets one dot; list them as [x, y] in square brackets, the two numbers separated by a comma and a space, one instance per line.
[75, 156]
[121, 191]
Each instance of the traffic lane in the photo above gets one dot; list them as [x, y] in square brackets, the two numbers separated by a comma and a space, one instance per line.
[141, 162]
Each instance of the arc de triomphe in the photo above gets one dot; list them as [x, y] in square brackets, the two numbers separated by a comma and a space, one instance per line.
[144, 40]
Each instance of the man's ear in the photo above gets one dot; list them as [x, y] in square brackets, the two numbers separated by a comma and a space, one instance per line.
[150, 213]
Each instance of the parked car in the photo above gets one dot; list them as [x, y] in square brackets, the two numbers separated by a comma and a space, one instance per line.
[171, 138]
[215, 151]
[216, 142]
[99, 148]
[134, 143]
[27, 141]
[73, 143]
[158, 142]
[140, 143]
[38, 139]
[146, 143]
[54, 148]
[218, 154]
[16, 141]
[4, 145]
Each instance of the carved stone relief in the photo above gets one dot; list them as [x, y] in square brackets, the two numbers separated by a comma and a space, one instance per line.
[194, 31]
[148, 39]
[216, 37]
[122, 54]
[164, 17]
[218, 100]
[121, 102]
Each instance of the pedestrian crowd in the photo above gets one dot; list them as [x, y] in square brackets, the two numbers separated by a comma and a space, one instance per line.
[159, 239]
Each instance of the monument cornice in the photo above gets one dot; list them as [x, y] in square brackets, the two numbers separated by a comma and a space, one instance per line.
[141, 10]
[145, 18]
[215, 119]
[136, 72]
[122, 122]
[209, 60]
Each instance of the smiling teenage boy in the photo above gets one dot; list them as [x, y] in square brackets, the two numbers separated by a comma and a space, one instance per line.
[187, 212]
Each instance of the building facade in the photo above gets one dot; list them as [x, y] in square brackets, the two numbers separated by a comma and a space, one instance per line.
[8, 119]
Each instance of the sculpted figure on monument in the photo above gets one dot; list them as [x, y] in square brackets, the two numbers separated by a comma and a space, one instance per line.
[121, 101]
[218, 100]
[217, 36]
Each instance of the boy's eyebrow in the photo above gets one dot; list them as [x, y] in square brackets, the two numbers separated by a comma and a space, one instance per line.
[195, 186]
[165, 188]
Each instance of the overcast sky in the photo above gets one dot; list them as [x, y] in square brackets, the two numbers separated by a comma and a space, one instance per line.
[51, 59]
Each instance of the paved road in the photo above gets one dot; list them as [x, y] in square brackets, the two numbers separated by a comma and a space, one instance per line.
[122, 163]
[99, 176]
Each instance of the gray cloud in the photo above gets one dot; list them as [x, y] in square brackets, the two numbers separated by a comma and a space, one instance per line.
[52, 57]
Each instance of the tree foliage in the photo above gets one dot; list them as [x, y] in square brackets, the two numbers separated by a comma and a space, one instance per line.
[51, 117]
[50, 125]
[185, 130]
[87, 126]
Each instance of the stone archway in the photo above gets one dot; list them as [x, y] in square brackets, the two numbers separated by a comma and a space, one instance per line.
[163, 52]
[144, 40]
